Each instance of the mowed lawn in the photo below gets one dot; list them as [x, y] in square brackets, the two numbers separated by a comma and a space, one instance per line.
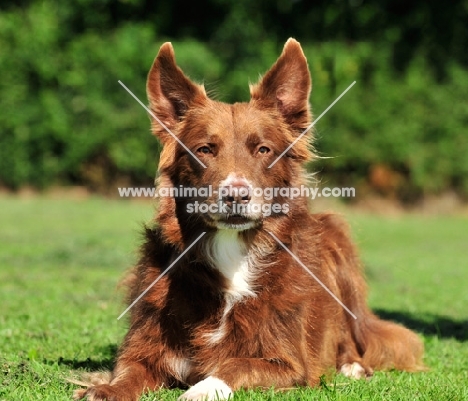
[61, 261]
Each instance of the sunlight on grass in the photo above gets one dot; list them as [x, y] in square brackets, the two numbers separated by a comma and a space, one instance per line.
[61, 260]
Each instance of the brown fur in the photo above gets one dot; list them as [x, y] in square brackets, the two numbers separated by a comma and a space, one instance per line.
[290, 331]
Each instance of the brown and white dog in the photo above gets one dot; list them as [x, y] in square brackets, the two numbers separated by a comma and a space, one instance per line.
[238, 310]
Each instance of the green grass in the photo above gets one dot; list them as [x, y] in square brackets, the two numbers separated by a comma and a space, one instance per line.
[61, 260]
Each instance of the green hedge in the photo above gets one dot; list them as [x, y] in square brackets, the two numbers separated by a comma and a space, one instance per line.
[65, 119]
[409, 123]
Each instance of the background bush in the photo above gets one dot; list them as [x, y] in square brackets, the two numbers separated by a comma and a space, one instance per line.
[401, 130]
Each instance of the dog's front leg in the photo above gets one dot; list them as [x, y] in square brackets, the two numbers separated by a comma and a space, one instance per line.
[236, 373]
[128, 382]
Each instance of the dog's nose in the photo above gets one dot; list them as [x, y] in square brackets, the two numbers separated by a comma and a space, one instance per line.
[237, 192]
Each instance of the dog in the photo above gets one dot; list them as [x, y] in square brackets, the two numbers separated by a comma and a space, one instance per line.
[258, 297]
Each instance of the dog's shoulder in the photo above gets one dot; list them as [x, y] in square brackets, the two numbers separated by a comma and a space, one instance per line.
[330, 223]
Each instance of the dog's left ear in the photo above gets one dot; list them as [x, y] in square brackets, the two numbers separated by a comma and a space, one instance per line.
[287, 86]
[170, 92]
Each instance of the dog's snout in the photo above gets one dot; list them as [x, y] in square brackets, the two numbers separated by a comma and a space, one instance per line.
[238, 192]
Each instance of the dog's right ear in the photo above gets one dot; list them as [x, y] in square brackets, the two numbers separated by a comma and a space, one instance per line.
[170, 92]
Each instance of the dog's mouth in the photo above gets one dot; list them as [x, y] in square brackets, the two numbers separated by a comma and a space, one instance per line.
[236, 222]
[236, 219]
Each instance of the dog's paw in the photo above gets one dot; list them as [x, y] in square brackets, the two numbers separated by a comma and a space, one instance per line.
[210, 389]
[355, 371]
[79, 394]
[102, 392]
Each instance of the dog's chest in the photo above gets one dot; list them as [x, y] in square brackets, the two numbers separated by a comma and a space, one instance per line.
[228, 254]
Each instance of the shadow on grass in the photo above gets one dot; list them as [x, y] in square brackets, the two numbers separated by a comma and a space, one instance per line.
[440, 326]
[106, 363]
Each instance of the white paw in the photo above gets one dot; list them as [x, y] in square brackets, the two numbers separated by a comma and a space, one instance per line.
[353, 370]
[210, 389]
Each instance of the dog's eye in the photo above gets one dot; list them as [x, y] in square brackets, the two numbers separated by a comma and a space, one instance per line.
[263, 150]
[204, 149]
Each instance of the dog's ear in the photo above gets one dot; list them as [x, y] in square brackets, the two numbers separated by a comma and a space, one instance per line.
[287, 86]
[170, 92]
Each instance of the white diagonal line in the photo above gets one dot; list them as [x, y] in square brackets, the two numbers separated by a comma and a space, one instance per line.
[311, 125]
[162, 124]
[161, 275]
[313, 275]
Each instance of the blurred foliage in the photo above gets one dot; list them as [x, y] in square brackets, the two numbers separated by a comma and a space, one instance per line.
[400, 130]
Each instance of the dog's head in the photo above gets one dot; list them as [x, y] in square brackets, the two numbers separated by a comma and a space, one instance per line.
[234, 152]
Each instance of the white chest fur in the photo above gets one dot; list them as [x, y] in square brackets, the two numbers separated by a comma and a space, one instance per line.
[229, 255]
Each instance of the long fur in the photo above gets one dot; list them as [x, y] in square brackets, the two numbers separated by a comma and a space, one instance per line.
[238, 311]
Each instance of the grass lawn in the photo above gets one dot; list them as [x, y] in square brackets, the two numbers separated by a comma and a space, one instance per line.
[61, 260]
